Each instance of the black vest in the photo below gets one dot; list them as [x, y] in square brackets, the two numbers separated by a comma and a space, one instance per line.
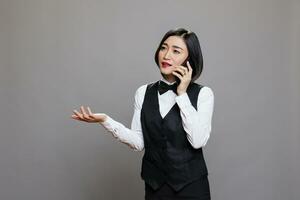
[168, 157]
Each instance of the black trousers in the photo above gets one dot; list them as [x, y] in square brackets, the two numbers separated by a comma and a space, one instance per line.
[197, 190]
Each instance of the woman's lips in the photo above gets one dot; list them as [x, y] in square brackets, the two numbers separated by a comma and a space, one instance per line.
[165, 64]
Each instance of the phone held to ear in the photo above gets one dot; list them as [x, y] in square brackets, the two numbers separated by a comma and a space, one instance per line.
[185, 65]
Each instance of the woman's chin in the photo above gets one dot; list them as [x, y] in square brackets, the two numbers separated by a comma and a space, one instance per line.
[167, 71]
[168, 75]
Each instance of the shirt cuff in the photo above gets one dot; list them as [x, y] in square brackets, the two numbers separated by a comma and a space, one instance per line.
[108, 123]
[183, 100]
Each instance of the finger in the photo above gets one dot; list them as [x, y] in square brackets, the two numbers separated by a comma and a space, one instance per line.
[76, 117]
[183, 66]
[180, 70]
[90, 112]
[185, 69]
[82, 120]
[177, 74]
[77, 113]
[84, 113]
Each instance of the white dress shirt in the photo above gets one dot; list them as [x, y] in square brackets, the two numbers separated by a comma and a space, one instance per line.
[196, 123]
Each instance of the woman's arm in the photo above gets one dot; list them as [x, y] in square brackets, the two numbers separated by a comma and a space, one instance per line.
[197, 123]
[132, 137]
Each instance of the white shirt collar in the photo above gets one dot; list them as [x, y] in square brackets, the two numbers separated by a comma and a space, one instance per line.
[164, 80]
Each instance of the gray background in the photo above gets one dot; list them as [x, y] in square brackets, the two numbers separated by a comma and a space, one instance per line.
[60, 54]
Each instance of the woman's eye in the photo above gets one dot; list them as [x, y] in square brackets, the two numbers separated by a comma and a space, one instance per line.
[162, 48]
[175, 51]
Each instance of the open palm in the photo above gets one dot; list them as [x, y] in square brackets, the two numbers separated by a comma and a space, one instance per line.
[88, 116]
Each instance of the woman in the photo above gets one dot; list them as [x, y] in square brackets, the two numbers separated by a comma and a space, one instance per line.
[171, 122]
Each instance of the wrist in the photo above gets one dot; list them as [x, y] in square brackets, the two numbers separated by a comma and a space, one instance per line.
[104, 118]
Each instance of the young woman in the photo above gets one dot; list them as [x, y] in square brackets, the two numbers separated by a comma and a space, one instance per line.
[171, 122]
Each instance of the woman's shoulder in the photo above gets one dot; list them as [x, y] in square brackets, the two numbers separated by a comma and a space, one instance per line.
[140, 94]
[142, 88]
[140, 91]
[205, 90]
[206, 93]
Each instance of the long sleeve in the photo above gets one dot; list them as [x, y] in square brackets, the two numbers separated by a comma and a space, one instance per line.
[197, 123]
[132, 137]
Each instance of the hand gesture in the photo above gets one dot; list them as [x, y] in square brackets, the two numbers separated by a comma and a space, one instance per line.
[88, 116]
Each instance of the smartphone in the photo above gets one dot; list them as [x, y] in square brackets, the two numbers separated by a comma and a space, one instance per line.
[184, 63]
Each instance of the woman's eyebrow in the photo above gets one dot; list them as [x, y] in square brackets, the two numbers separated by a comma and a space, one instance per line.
[173, 46]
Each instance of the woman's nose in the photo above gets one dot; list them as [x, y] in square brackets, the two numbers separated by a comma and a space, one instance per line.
[167, 55]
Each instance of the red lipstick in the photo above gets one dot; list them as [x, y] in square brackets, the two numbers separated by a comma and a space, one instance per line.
[165, 64]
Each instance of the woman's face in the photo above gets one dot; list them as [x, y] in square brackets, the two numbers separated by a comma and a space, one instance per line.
[172, 53]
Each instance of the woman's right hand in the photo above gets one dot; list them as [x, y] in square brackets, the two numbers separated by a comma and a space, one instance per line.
[88, 116]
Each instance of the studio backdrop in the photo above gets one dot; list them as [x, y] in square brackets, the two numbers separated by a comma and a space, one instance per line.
[58, 55]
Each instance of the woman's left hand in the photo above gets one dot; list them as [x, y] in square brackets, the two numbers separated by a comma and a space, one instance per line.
[185, 76]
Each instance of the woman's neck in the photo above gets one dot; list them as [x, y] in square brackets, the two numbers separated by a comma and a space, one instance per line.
[170, 79]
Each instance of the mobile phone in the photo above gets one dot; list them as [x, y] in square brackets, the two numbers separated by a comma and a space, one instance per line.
[184, 63]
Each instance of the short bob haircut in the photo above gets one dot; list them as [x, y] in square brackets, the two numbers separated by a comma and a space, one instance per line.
[193, 46]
